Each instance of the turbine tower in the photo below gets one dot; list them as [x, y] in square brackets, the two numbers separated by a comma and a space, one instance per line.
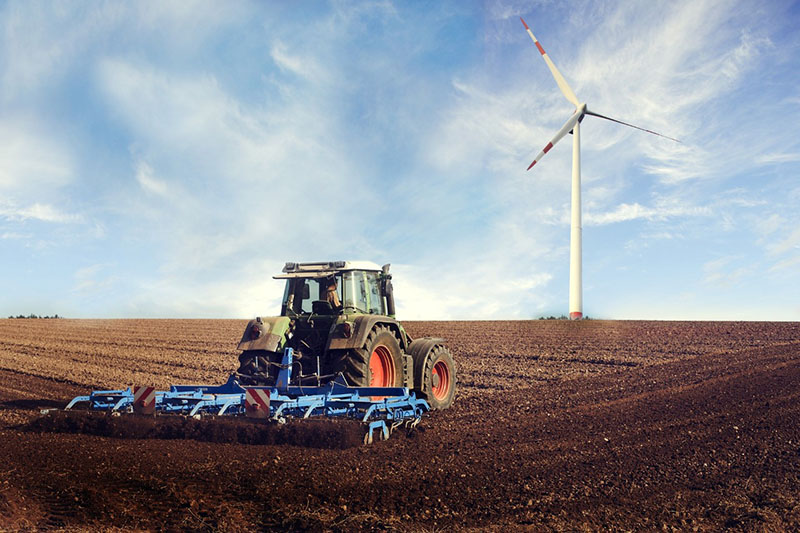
[573, 125]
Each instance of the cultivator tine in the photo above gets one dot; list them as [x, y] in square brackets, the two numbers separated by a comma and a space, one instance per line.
[383, 431]
[411, 425]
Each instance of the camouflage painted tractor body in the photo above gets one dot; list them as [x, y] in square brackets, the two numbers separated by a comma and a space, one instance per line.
[338, 317]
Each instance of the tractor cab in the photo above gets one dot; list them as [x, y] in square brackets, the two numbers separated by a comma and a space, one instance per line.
[336, 288]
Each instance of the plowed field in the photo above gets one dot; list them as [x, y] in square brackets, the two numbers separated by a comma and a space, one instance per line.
[589, 425]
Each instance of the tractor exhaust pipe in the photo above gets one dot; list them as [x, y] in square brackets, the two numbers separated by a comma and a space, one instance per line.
[388, 291]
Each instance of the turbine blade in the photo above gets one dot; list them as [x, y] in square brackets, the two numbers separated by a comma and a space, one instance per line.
[562, 83]
[598, 115]
[566, 128]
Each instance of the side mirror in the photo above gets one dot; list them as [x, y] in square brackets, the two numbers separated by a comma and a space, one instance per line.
[385, 268]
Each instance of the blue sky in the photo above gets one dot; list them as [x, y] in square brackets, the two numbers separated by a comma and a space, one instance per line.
[164, 159]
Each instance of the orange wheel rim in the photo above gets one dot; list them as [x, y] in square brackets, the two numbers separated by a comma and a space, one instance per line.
[441, 380]
[381, 368]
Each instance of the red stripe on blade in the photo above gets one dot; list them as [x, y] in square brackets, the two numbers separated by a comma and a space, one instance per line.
[530, 167]
[523, 23]
[539, 46]
[547, 148]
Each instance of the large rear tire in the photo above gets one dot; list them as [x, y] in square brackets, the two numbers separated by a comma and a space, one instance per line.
[378, 364]
[437, 377]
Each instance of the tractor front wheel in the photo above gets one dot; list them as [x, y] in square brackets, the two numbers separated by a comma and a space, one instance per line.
[438, 374]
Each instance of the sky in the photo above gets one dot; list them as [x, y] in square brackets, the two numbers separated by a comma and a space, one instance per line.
[165, 159]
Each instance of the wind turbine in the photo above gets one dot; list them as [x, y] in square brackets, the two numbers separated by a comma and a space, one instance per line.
[573, 126]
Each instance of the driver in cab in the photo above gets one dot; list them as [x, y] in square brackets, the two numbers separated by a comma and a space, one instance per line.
[330, 293]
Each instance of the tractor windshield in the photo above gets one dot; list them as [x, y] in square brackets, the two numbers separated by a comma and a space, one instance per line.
[352, 291]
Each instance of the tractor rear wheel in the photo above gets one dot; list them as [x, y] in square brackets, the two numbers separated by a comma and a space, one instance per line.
[378, 364]
[438, 375]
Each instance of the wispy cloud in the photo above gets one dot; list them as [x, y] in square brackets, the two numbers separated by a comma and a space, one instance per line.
[626, 212]
[789, 263]
[93, 279]
[31, 163]
[38, 211]
[778, 158]
[792, 241]
[724, 272]
[150, 184]
[14, 236]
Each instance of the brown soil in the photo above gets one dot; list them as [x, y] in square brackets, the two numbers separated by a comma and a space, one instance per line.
[592, 425]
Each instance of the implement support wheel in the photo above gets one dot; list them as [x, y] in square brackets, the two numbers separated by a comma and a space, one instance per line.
[438, 373]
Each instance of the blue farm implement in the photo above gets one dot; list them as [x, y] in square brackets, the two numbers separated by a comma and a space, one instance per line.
[379, 409]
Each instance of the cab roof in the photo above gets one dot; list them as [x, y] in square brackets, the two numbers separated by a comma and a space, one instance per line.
[326, 268]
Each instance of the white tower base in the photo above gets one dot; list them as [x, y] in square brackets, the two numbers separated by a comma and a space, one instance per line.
[575, 275]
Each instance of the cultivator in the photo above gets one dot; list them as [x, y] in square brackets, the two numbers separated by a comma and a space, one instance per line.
[380, 409]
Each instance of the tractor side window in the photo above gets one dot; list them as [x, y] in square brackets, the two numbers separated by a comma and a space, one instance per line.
[287, 302]
[307, 289]
[361, 292]
[374, 293]
[355, 291]
[347, 289]
[355, 295]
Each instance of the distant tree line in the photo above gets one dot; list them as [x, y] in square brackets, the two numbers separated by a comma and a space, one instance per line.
[35, 316]
[562, 317]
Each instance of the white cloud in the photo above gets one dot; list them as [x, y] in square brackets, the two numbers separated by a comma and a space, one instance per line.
[176, 295]
[791, 242]
[766, 226]
[43, 42]
[778, 158]
[30, 162]
[789, 263]
[38, 211]
[91, 279]
[720, 272]
[144, 175]
[306, 67]
[14, 236]
[626, 212]
[34, 170]
[489, 287]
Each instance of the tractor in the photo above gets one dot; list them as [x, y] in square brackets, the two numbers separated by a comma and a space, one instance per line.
[338, 318]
